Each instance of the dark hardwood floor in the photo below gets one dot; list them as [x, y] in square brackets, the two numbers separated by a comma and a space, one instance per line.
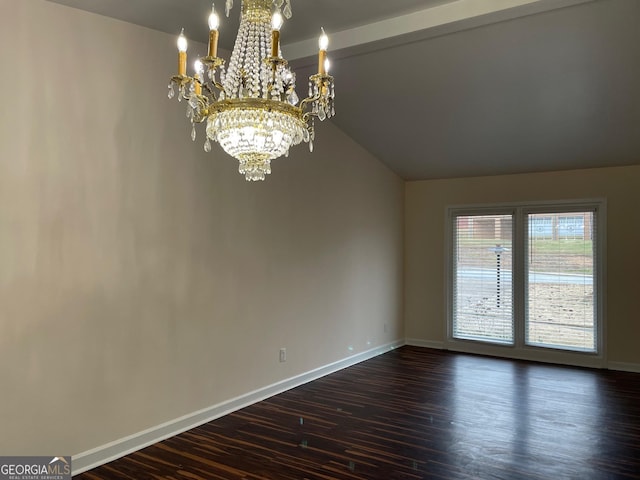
[416, 413]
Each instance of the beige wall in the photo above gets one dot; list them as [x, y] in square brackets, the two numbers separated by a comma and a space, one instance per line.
[142, 279]
[426, 202]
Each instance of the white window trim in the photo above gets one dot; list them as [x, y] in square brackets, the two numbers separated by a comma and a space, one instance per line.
[519, 350]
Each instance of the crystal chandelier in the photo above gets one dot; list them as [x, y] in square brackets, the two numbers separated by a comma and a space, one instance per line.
[251, 107]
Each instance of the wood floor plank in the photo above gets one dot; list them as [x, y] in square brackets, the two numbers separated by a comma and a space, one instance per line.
[416, 413]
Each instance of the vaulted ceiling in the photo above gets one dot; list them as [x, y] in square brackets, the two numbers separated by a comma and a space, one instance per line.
[454, 88]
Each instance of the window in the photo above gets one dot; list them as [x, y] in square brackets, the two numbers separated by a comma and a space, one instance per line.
[483, 294]
[560, 308]
[527, 276]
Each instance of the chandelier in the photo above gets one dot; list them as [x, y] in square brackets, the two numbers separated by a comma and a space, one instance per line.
[251, 107]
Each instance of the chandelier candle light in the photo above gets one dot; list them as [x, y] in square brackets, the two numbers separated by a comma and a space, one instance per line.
[251, 108]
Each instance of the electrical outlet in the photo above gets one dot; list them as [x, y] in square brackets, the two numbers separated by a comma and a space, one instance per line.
[283, 355]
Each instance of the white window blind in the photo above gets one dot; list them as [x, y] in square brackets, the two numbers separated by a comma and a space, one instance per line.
[560, 280]
[483, 287]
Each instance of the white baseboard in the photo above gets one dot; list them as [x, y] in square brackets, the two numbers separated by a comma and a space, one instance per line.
[415, 342]
[107, 453]
[593, 363]
[624, 367]
[555, 357]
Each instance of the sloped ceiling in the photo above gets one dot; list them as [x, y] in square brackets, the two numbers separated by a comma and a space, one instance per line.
[454, 88]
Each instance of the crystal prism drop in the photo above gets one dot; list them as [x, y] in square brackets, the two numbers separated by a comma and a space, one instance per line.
[311, 146]
[207, 146]
[229, 6]
[193, 133]
[172, 92]
[321, 113]
[287, 10]
[292, 98]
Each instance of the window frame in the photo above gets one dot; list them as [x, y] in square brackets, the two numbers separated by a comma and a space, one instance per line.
[519, 348]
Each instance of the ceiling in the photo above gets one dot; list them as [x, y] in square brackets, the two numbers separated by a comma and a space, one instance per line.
[455, 88]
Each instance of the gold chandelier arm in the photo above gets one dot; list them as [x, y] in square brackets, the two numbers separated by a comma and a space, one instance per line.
[307, 115]
[322, 82]
[217, 85]
[308, 100]
[213, 64]
[202, 113]
[181, 80]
